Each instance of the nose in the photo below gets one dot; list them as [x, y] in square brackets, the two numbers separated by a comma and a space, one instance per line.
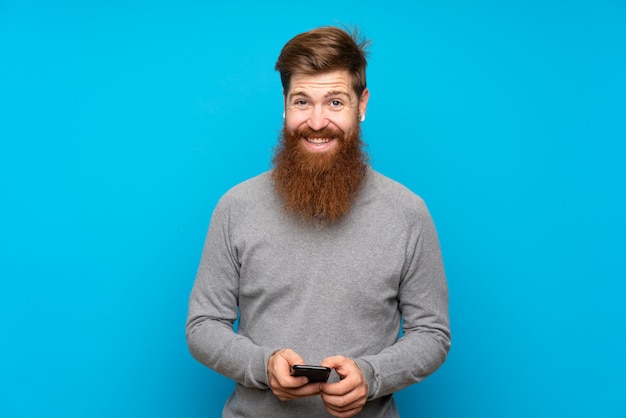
[317, 119]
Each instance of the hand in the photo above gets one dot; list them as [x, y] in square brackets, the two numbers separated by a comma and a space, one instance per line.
[348, 396]
[283, 385]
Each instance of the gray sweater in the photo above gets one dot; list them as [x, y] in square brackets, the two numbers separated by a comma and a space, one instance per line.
[343, 289]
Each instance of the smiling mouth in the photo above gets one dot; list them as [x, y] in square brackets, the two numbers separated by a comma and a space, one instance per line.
[317, 141]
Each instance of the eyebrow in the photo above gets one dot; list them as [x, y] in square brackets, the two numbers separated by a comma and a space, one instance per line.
[327, 95]
[336, 93]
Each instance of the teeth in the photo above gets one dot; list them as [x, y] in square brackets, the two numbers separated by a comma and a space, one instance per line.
[318, 140]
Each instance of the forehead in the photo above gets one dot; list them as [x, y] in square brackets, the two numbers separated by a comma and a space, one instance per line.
[322, 83]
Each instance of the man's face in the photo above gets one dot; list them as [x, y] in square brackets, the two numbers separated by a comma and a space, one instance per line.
[319, 164]
[322, 108]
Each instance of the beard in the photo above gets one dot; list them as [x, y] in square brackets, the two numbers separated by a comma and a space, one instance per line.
[319, 187]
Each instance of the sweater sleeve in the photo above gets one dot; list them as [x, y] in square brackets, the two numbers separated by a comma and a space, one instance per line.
[423, 301]
[213, 309]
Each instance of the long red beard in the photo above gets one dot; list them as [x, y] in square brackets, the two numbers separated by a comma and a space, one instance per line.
[319, 187]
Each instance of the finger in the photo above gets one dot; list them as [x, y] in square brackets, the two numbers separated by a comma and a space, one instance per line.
[343, 413]
[290, 382]
[342, 365]
[348, 394]
[334, 362]
[283, 384]
[291, 357]
[285, 394]
[344, 402]
[343, 396]
[309, 389]
[280, 362]
[350, 381]
[339, 388]
[280, 380]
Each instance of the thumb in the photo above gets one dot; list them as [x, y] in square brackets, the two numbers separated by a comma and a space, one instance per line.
[290, 356]
[341, 364]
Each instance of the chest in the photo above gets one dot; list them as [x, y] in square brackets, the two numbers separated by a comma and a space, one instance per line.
[355, 264]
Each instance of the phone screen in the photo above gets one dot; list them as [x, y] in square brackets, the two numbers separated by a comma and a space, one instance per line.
[314, 373]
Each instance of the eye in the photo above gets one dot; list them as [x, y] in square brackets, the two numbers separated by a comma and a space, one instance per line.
[300, 102]
[336, 104]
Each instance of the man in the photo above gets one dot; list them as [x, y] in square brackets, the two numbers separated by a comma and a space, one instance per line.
[322, 259]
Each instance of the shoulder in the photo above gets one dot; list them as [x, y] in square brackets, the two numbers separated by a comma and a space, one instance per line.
[251, 189]
[392, 204]
[250, 195]
[392, 193]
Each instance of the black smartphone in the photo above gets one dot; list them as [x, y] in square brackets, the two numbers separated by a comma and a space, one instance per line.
[314, 373]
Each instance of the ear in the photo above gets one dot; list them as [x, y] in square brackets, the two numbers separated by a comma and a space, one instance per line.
[363, 102]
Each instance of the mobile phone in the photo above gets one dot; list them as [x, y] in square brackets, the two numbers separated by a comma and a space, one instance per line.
[314, 373]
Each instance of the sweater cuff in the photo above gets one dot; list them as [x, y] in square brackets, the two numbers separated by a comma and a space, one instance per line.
[368, 373]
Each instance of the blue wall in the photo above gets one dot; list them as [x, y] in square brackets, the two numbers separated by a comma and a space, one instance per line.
[123, 122]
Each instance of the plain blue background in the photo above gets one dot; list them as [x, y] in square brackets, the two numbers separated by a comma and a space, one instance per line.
[123, 122]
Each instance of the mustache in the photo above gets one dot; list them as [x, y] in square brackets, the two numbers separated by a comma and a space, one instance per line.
[326, 132]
